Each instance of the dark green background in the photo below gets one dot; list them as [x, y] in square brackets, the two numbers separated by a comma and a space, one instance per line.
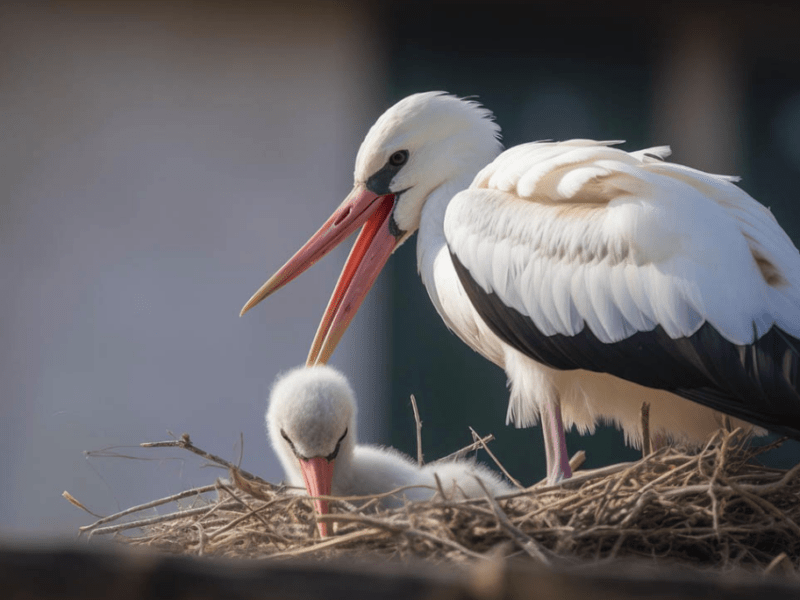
[547, 77]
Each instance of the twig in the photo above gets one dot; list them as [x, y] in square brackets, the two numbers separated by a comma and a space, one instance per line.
[400, 528]
[767, 447]
[250, 509]
[330, 543]
[186, 443]
[669, 474]
[244, 517]
[638, 508]
[781, 560]
[726, 423]
[527, 543]
[577, 460]
[646, 448]
[417, 420]
[251, 488]
[715, 509]
[201, 542]
[147, 505]
[577, 480]
[478, 438]
[766, 505]
[160, 519]
[459, 454]
[769, 487]
[74, 501]
[439, 486]
[241, 450]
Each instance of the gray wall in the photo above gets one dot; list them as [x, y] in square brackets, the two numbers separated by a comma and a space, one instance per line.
[156, 165]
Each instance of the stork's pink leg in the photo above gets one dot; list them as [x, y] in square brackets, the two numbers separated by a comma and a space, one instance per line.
[555, 444]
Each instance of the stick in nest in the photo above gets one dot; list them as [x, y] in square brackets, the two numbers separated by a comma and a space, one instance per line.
[577, 460]
[528, 544]
[418, 422]
[645, 429]
[459, 454]
[140, 507]
[186, 443]
[478, 438]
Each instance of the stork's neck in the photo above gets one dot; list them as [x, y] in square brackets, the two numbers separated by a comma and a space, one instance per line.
[477, 151]
[430, 239]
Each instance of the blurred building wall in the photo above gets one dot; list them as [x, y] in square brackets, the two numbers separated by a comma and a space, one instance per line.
[159, 161]
[699, 92]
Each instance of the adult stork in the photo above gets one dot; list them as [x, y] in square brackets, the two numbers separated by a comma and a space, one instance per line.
[311, 422]
[597, 278]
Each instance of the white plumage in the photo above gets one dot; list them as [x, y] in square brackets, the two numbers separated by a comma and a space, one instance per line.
[312, 415]
[597, 278]
[578, 233]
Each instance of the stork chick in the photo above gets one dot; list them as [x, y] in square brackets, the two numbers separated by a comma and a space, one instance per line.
[311, 420]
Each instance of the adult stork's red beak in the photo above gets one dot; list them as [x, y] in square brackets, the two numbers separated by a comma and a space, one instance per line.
[372, 249]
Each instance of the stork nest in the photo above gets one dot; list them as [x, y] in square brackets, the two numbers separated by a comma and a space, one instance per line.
[714, 509]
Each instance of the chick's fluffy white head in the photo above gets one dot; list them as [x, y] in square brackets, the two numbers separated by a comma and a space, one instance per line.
[444, 136]
[313, 407]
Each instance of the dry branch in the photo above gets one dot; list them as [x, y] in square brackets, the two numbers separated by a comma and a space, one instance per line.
[479, 439]
[459, 454]
[418, 421]
[645, 429]
[186, 443]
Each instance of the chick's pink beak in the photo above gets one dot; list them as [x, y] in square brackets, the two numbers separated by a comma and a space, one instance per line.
[318, 476]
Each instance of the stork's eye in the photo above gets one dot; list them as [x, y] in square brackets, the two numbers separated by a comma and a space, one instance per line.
[335, 452]
[286, 437]
[399, 158]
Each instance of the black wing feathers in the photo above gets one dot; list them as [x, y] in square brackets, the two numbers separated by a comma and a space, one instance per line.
[757, 382]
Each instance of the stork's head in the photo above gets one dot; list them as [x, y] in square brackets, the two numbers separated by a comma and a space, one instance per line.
[311, 424]
[416, 146]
